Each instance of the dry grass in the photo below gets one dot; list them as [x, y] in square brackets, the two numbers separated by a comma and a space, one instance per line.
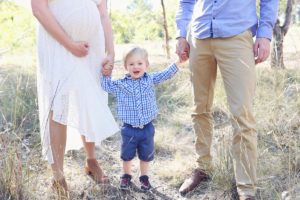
[277, 109]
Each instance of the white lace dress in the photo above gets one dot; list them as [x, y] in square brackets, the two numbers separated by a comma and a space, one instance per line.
[70, 86]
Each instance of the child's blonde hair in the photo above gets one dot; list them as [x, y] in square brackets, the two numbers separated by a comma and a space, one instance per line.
[135, 50]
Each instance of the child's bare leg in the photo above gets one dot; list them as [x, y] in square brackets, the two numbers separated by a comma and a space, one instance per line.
[144, 167]
[127, 167]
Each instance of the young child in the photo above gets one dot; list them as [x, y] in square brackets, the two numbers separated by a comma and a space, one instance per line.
[136, 109]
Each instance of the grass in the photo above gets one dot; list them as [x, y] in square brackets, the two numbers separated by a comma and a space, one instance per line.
[276, 109]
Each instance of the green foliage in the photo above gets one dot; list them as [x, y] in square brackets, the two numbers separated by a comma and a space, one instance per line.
[142, 22]
[17, 26]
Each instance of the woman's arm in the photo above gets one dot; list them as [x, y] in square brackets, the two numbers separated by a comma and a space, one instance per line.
[41, 11]
[108, 34]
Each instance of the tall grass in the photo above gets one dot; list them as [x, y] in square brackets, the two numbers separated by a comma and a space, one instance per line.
[19, 144]
[276, 109]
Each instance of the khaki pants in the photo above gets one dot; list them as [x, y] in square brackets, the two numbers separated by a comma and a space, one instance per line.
[235, 58]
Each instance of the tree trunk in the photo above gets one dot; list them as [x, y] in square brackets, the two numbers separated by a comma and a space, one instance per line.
[277, 47]
[278, 35]
[166, 29]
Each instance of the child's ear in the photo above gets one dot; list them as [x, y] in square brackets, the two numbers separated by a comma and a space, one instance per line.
[147, 64]
[125, 66]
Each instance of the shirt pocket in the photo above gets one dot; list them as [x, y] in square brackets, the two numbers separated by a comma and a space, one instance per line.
[148, 99]
[127, 101]
[126, 98]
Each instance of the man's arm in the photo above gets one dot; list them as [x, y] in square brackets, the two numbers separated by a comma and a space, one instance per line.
[268, 16]
[183, 19]
[166, 74]
[184, 16]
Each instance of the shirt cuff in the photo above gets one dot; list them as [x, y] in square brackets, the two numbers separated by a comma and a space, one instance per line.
[174, 68]
[264, 31]
[181, 32]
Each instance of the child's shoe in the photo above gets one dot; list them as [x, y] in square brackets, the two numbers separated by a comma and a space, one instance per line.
[125, 182]
[145, 184]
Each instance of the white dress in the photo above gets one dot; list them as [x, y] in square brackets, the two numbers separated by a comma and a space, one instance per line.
[70, 86]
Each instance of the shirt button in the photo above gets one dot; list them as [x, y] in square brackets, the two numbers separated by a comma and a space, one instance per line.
[214, 18]
[215, 1]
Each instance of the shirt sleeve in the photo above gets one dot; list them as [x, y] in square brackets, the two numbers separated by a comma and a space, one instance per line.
[184, 16]
[108, 85]
[166, 74]
[267, 19]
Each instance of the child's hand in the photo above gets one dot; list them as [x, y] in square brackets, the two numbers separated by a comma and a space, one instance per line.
[179, 62]
[106, 70]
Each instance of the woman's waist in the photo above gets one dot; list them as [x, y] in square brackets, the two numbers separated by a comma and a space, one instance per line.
[61, 8]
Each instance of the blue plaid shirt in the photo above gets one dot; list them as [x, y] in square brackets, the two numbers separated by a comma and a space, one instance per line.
[136, 98]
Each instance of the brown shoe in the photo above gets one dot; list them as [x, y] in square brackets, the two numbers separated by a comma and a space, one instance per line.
[246, 197]
[61, 188]
[93, 168]
[192, 182]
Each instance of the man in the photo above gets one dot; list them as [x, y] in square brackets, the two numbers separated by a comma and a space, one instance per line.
[221, 34]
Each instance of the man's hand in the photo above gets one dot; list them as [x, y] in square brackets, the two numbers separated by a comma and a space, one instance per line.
[182, 49]
[261, 49]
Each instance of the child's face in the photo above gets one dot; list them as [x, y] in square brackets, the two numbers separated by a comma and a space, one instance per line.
[136, 65]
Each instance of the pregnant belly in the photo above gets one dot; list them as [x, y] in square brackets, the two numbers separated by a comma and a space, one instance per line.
[80, 19]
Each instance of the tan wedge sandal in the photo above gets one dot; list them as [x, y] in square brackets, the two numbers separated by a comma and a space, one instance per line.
[93, 169]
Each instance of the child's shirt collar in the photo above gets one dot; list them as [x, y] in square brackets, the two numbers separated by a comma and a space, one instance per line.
[128, 76]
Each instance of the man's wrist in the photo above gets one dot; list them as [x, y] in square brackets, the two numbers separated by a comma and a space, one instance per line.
[265, 38]
[180, 38]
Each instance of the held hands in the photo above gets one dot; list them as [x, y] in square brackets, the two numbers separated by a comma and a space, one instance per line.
[79, 49]
[182, 49]
[261, 49]
[107, 65]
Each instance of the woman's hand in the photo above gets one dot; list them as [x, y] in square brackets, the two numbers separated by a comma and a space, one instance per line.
[106, 71]
[79, 49]
[108, 62]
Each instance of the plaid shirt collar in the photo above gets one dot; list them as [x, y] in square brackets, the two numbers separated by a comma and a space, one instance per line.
[128, 76]
[142, 79]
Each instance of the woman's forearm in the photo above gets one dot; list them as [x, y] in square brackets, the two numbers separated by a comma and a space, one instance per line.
[41, 11]
[108, 34]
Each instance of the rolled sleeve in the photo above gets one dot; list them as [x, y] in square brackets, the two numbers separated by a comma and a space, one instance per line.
[107, 84]
[268, 16]
[184, 16]
[166, 74]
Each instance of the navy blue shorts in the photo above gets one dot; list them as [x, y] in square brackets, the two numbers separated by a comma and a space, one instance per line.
[137, 140]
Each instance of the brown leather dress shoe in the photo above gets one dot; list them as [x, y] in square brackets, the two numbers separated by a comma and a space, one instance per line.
[61, 188]
[192, 182]
[93, 168]
[246, 197]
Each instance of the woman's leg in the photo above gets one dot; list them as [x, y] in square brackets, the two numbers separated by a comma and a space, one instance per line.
[58, 137]
[92, 166]
[89, 148]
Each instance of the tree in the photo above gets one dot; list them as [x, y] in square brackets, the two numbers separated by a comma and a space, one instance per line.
[166, 29]
[278, 35]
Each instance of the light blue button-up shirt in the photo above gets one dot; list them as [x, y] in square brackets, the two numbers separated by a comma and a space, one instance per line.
[225, 18]
[136, 103]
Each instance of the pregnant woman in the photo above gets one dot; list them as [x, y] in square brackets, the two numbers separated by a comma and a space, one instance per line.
[74, 42]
